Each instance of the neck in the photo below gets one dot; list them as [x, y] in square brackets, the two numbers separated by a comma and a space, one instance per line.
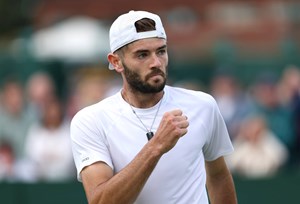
[141, 100]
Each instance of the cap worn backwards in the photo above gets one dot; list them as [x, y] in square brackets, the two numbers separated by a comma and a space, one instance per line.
[123, 30]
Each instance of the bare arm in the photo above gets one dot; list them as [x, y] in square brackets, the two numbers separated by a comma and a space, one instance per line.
[102, 187]
[219, 183]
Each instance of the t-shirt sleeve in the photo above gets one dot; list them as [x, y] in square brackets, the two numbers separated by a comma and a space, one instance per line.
[88, 141]
[218, 143]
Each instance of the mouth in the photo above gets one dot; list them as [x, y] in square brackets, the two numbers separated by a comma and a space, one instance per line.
[155, 74]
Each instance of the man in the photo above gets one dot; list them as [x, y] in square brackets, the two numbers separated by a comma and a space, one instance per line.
[150, 143]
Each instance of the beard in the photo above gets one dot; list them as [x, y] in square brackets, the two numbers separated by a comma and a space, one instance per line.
[138, 84]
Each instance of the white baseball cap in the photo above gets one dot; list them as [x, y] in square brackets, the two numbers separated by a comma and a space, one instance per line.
[123, 31]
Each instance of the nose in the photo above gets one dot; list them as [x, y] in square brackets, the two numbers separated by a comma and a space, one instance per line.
[155, 61]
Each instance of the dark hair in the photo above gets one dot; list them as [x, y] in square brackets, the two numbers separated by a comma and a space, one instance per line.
[145, 24]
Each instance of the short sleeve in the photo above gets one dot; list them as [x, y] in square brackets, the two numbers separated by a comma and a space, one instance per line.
[218, 142]
[88, 140]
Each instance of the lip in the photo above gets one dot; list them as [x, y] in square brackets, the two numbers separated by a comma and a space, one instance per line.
[156, 75]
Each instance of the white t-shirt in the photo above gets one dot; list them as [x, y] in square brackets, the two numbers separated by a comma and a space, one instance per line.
[50, 152]
[110, 132]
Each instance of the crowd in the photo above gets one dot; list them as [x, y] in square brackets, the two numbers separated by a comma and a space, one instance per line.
[263, 120]
[35, 121]
[34, 133]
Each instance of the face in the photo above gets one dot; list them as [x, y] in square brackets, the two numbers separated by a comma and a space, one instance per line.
[145, 65]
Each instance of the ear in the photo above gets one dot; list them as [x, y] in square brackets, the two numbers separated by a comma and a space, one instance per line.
[115, 60]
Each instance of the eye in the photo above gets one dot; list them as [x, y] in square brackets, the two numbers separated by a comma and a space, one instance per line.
[162, 51]
[142, 55]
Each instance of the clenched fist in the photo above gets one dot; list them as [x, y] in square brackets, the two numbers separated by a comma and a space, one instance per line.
[173, 125]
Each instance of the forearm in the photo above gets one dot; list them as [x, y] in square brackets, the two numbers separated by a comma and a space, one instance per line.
[125, 186]
[221, 190]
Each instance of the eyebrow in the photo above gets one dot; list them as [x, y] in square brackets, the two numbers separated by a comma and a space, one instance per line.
[161, 47]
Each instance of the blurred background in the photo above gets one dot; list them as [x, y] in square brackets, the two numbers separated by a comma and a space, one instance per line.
[53, 63]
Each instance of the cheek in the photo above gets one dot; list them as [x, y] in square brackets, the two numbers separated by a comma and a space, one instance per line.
[165, 63]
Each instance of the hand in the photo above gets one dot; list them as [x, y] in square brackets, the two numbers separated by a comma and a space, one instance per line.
[173, 125]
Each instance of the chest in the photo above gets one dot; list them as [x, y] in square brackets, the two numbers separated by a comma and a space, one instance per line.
[128, 137]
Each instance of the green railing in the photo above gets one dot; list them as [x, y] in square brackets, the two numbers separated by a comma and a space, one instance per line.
[282, 189]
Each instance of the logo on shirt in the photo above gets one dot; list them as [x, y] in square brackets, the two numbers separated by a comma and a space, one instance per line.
[85, 159]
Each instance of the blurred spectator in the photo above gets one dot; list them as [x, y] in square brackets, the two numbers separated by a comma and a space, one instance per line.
[48, 146]
[267, 103]
[40, 89]
[296, 117]
[289, 86]
[7, 161]
[289, 96]
[234, 104]
[89, 86]
[14, 120]
[258, 152]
